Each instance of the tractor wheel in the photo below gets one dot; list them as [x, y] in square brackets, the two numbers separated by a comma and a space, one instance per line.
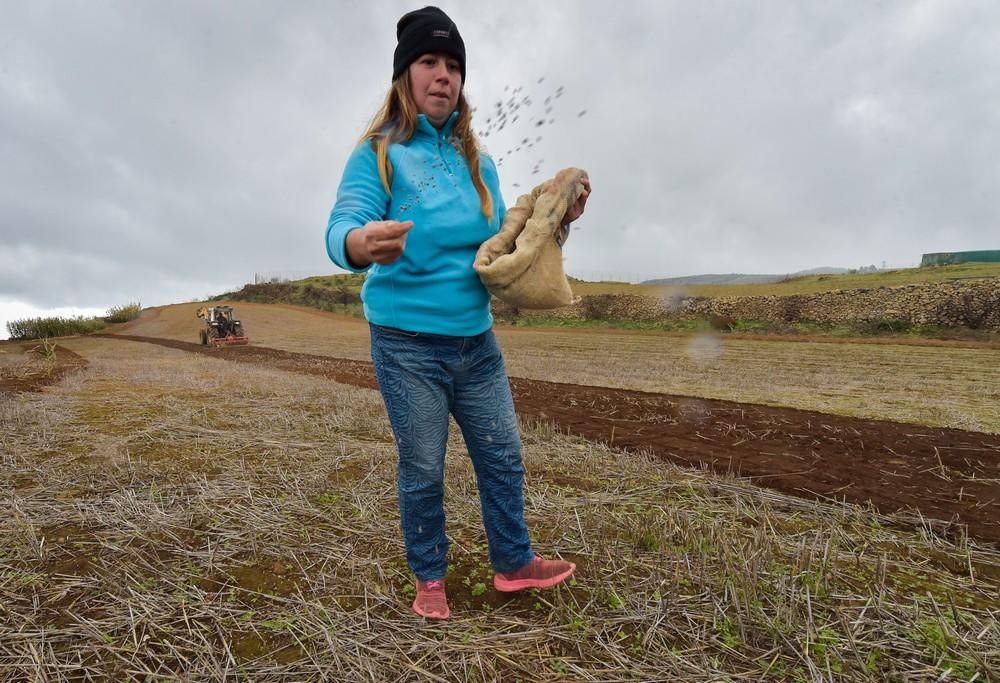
[204, 338]
[238, 330]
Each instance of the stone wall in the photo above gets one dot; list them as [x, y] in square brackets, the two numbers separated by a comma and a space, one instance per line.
[965, 303]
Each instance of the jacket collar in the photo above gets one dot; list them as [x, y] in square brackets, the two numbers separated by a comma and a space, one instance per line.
[425, 127]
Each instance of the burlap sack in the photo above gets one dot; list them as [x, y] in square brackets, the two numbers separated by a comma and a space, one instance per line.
[522, 264]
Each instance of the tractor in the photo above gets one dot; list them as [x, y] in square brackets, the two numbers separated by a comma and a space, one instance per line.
[221, 328]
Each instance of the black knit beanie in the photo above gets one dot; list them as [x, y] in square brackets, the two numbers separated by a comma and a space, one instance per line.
[424, 31]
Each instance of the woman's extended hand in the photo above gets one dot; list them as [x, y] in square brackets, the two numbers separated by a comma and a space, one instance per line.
[377, 242]
[575, 211]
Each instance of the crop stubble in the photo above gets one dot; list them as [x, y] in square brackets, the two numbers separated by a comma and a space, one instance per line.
[169, 513]
[950, 476]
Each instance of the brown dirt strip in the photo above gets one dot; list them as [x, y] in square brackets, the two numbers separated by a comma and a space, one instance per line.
[41, 374]
[944, 474]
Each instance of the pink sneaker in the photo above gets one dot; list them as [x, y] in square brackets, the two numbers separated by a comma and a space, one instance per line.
[538, 573]
[431, 601]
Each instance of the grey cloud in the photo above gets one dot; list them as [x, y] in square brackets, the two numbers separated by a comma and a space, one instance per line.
[163, 151]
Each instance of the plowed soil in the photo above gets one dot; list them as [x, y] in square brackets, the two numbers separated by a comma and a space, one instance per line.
[36, 372]
[948, 475]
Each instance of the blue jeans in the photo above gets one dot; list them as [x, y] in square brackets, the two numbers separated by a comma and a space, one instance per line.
[424, 378]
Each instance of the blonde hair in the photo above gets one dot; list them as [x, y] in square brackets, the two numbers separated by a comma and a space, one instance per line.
[396, 122]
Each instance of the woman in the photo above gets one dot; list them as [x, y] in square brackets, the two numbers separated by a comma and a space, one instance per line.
[415, 202]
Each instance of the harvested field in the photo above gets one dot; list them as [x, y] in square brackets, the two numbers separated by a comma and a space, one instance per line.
[174, 514]
[938, 384]
[949, 476]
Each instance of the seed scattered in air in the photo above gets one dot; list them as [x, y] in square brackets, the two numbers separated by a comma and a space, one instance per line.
[508, 110]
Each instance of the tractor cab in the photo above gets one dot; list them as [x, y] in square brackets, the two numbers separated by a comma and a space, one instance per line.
[223, 317]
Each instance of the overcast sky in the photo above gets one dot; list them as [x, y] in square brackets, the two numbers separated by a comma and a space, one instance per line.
[164, 151]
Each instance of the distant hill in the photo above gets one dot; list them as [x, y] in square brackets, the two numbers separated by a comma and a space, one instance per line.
[340, 292]
[740, 278]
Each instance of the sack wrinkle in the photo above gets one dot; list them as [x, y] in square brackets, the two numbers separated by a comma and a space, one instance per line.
[522, 264]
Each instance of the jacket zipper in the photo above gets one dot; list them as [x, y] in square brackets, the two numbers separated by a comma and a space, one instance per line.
[444, 159]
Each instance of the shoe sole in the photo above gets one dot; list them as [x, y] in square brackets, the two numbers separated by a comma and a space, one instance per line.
[431, 615]
[511, 586]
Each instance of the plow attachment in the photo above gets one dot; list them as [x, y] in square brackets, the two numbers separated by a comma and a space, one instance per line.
[229, 341]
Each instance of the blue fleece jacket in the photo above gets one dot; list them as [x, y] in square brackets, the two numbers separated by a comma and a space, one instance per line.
[432, 287]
